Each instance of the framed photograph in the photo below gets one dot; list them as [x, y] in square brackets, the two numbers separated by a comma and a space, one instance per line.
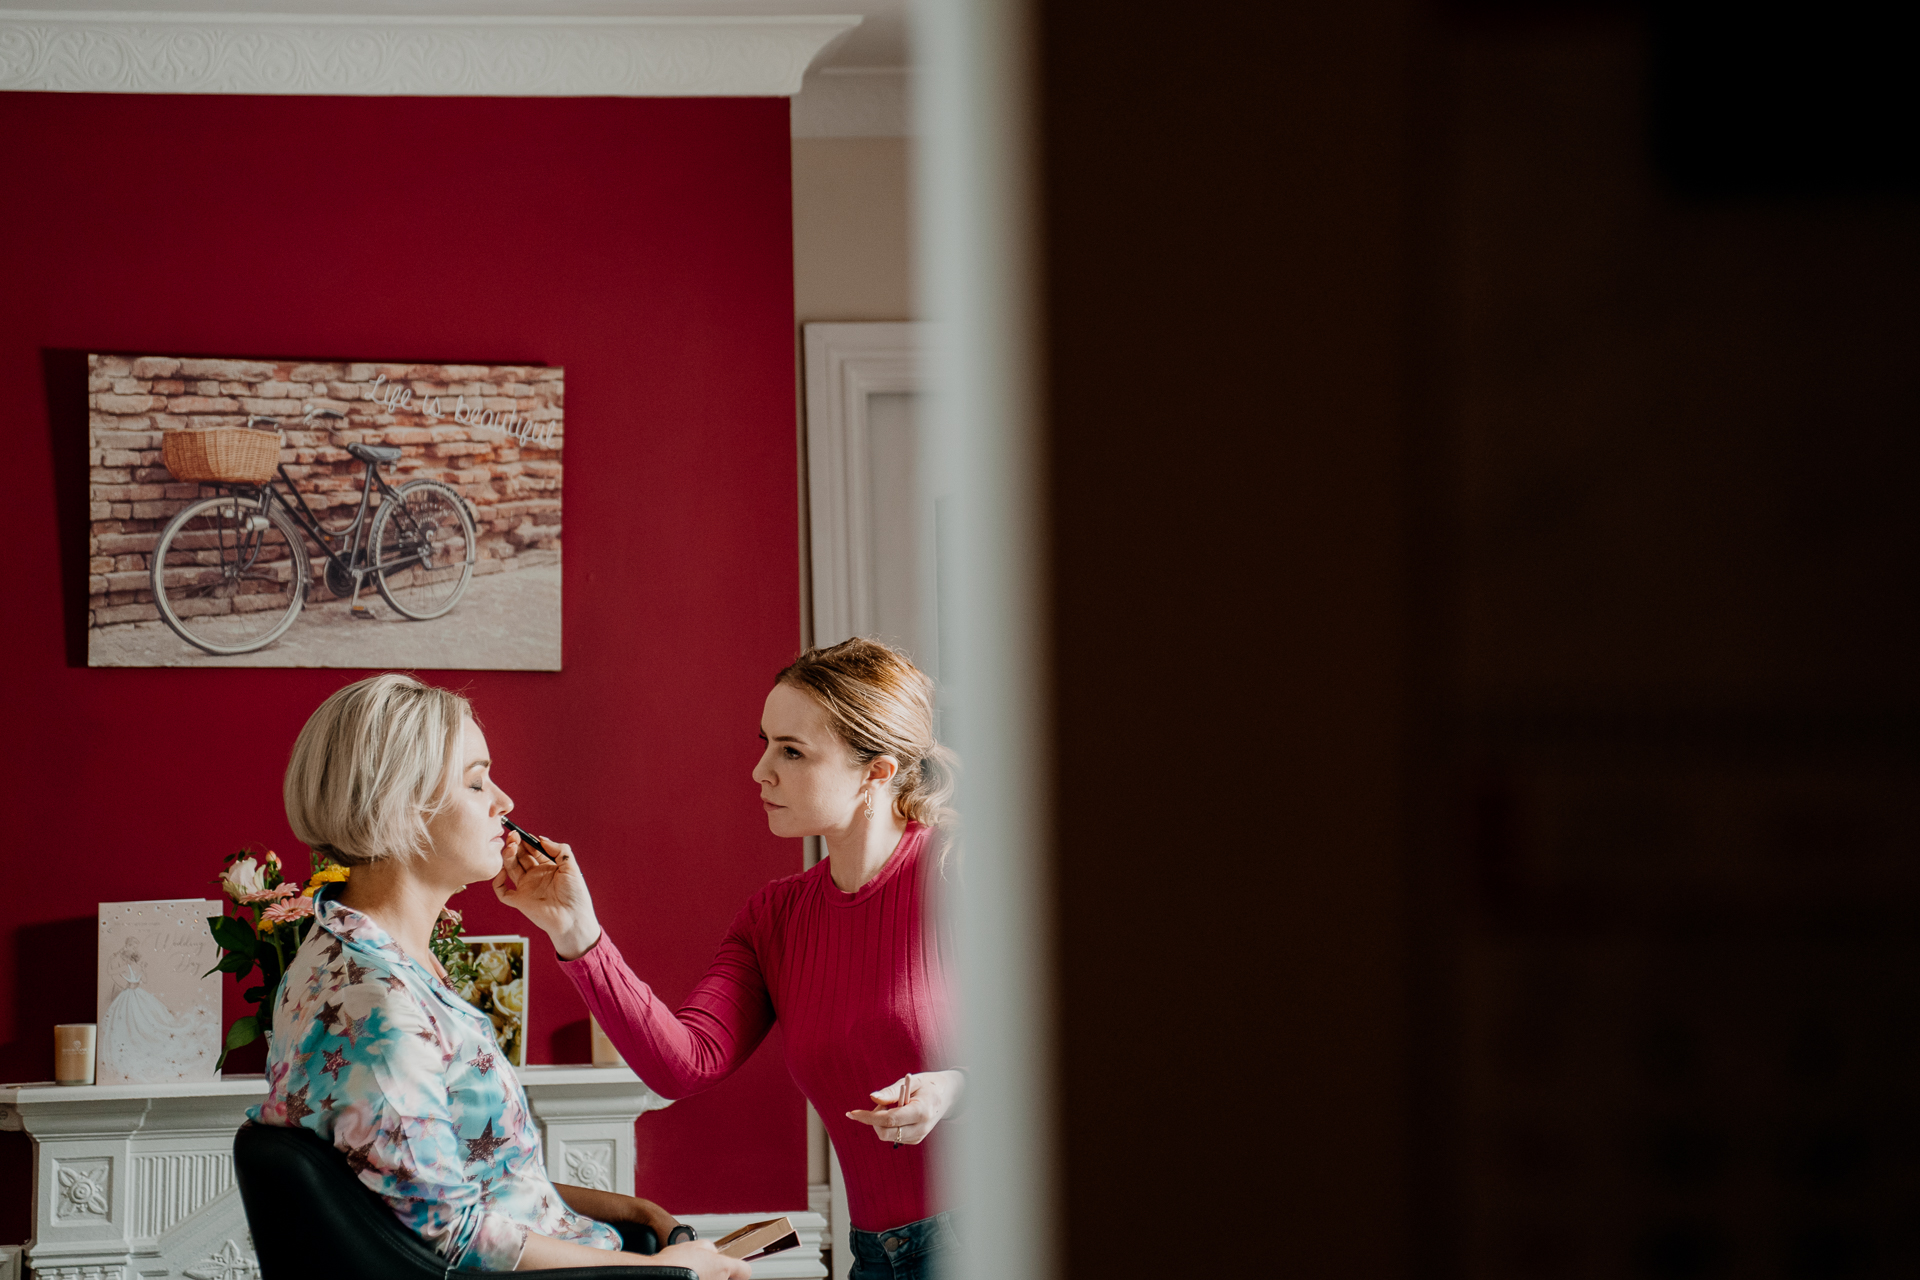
[159, 1019]
[261, 513]
[495, 982]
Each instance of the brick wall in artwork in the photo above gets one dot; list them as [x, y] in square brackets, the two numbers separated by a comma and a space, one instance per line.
[493, 432]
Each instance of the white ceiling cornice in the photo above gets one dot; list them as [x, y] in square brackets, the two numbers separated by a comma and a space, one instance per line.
[382, 55]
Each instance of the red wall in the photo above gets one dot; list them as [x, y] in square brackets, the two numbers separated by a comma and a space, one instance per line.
[643, 244]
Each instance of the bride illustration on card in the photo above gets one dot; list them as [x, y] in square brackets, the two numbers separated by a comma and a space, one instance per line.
[159, 1018]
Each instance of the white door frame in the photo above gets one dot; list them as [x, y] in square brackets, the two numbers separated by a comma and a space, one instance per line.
[845, 365]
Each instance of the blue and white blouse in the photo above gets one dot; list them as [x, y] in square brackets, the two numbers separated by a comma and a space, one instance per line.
[381, 1058]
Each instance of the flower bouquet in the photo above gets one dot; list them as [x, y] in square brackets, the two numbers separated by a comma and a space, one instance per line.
[272, 917]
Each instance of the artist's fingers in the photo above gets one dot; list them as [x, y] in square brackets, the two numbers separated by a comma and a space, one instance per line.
[916, 1112]
[889, 1127]
[893, 1095]
[509, 868]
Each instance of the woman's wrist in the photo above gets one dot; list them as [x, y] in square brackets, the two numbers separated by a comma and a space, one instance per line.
[577, 940]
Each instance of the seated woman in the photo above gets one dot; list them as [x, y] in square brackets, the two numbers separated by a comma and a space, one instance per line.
[371, 1049]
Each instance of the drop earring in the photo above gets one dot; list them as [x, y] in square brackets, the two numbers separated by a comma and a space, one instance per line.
[868, 793]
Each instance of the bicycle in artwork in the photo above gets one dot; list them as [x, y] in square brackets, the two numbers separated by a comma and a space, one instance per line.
[231, 572]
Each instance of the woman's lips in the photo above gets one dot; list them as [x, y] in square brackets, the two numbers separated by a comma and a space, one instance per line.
[770, 805]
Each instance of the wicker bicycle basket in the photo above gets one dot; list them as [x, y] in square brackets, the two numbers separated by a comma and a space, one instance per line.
[223, 455]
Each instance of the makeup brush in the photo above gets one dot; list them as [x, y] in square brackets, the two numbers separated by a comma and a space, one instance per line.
[526, 837]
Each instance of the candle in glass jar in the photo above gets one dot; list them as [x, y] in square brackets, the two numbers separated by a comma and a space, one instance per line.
[73, 1053]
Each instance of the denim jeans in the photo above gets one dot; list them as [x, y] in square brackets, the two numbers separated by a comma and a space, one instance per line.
[918, 1251]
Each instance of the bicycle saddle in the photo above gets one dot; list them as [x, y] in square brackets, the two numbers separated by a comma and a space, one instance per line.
[375, 452]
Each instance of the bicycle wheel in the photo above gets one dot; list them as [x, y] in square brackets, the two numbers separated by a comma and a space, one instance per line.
[424, 548]
[228, 578]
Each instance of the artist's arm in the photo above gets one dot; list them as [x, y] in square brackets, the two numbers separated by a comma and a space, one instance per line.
[677, 1053]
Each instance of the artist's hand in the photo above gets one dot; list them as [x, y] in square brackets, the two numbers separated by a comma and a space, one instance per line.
[703, 1259]
[899, 1116]
[549, 889]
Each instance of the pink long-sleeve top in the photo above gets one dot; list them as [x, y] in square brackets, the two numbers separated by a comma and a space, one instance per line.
[857, 983]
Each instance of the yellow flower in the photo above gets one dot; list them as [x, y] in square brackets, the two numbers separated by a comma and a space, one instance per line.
[266, 926]
[325, 875]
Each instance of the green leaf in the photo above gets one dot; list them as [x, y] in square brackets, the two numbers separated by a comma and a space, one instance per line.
[253, 995]
[232, 962]
[234, 934]
[244, 1031]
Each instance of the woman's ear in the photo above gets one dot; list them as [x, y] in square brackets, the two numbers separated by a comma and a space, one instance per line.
[881, 769]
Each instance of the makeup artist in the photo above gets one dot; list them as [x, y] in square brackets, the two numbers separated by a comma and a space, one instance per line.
[844, 955]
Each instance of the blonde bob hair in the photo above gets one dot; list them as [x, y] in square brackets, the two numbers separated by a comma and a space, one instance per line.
[372, 765]
[880, 704]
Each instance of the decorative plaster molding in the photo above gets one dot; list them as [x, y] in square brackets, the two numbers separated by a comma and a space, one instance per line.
[171, 1187]
[590, 1164]
[385, 55]
[230, 1263]
[85, 1189]
[855, 102]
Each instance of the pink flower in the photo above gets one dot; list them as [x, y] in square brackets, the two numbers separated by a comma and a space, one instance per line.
[289, 911]
[274, 894]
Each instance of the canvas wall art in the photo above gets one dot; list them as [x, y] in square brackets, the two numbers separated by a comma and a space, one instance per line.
[159, 1019]
[323, 514]
[494, 981]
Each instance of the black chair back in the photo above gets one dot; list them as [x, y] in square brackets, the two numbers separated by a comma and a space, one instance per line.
[312, 1219]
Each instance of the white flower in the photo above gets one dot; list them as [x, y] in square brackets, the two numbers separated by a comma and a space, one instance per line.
[495, 967]
[510, 998]
[244, 879]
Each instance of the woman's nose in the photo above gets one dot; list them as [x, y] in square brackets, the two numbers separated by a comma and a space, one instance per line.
[502, 803]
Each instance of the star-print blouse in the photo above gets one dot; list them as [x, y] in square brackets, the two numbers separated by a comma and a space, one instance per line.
[378, 1056]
